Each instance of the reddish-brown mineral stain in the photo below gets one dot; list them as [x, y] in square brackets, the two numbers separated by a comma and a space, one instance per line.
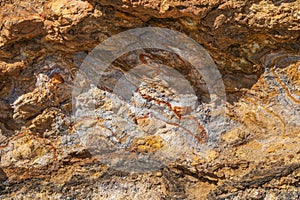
[21, 134]
[286, 89]
[178, 112]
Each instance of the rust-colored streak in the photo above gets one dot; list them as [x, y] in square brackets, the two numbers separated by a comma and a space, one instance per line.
[179, 126]
[21, 134]
[112, 133]
[13, 138]
[179, 111]
[5, 145]
[157, 101]
[142, 58]
[142, 118]
[268, 111]
[160, 102]
[287, 91]
[54, 151]
[199, 125]
[48, 143]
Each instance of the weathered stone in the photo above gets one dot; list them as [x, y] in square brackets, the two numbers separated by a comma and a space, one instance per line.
[255, 45]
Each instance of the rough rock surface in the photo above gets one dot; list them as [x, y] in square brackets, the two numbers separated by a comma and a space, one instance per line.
[256, 46]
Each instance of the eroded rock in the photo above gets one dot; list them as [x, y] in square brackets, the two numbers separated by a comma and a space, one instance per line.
[256, 47]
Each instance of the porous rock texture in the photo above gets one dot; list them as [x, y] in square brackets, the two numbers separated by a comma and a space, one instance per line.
[256, 47]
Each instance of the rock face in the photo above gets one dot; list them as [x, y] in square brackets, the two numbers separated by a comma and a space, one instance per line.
[44, 155]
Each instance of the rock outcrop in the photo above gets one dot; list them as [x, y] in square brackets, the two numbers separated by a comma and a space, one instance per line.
[256, 47]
